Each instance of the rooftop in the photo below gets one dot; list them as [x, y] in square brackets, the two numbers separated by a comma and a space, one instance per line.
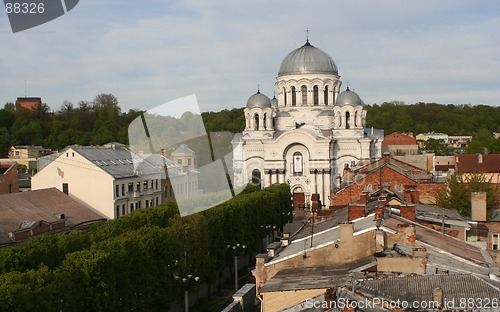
[47, 205]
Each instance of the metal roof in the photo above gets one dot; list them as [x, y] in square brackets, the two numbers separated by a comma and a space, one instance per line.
[307, 60]
[348, 97]
[118, 162]
[420, 288]
[258, 100]
[21, 209]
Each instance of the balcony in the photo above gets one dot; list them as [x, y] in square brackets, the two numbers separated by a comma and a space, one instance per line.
[134, 194]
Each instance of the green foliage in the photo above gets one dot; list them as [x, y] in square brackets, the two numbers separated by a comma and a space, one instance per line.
[129, 263]
[426, 117]
[457, 196]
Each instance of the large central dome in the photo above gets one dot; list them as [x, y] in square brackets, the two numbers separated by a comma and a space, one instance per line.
[307, 60]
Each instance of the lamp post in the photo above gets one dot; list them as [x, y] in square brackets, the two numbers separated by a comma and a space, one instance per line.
[236, 248]
[185, 284]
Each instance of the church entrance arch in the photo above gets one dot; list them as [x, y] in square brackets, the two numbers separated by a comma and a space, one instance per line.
[298, 198]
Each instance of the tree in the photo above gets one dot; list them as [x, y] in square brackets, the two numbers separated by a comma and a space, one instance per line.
[456, 194]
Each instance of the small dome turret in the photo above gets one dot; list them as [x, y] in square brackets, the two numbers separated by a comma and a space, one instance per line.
[274, 102]
[258, 100]
[349, 97]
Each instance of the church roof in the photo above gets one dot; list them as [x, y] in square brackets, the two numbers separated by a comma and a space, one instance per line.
[349, 97]
[307, 60]
[258, 100]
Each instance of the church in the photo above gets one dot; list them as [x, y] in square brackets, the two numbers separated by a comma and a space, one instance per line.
[310, 136]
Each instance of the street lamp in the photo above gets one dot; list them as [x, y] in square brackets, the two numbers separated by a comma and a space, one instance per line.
[236, 248]
[186, 284]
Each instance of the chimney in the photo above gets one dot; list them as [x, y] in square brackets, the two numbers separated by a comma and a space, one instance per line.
[415, 196]
[437, 296]
[379, 213]
[355, 211]
[346, 231]
[408, 196]
[478, 206]
[408, 212]
[363, 198]
[382, 200]
[406, 234]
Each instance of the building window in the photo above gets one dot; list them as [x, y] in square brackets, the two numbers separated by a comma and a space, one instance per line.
[256, 117]
[131, 207]
[117, 190]
[303, 90]
[398, 187]
[123, 189]
[294, 97]
[316, 95]
[256, 178]
[284, 93]
[123, 210]
[325, 95]
[147, 203]
[297, 164]
[264, 121]
[117, 210]
[189, 162]
[156, 184]
[131, 187]
[347, 120]
[138, 187]
[179, 161]
[471, 236]
[156, 201]
[355, 119]
[495, 241]
[368, 187]
[65, 188]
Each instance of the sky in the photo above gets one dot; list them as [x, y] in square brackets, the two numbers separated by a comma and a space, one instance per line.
[150, 52]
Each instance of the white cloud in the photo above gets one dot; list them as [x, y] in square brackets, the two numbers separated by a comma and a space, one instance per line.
[150, 52]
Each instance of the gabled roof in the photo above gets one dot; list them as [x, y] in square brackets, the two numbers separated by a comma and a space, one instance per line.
[472, 163]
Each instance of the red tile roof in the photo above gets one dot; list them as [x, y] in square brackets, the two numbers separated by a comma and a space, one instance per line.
[472, 163]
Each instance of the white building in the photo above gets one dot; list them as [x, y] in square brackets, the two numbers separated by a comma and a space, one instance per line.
[308, 137]
[105, 179]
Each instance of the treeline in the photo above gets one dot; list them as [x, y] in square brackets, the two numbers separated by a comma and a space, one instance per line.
[89, 123]
[427, 117]
[101, 121]
[129, 263]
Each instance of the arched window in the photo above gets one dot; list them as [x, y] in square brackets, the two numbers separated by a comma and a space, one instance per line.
[256, 125]
[256, 178]
[298, 167]
[356, 119]
[316, 95]
[303, 90]
[284, 93]
[264, 121]
[326, 95]
[294, 97]
[274, 123]
[347, 120]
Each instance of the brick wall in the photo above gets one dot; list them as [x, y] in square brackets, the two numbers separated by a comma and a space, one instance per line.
[352, 193]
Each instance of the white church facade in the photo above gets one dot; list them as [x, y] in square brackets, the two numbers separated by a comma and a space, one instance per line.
[308, 137]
